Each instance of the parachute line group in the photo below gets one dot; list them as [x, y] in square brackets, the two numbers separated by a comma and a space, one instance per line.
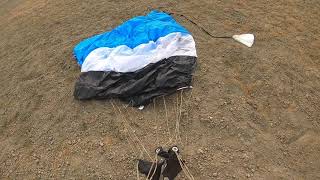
[139, 147]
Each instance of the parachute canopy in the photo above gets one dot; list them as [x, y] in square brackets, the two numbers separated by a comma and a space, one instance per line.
[145, 57]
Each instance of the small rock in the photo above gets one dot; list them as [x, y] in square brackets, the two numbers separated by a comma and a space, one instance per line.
[215, 174]
[101, 144]
[200, 151]
[245, 156]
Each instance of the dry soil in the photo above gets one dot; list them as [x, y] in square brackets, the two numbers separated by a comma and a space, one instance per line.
[254, 113]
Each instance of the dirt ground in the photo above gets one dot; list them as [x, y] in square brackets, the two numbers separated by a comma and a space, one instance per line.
[254, 113]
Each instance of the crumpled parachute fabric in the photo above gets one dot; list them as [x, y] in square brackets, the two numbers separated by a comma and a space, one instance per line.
[145, 57]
